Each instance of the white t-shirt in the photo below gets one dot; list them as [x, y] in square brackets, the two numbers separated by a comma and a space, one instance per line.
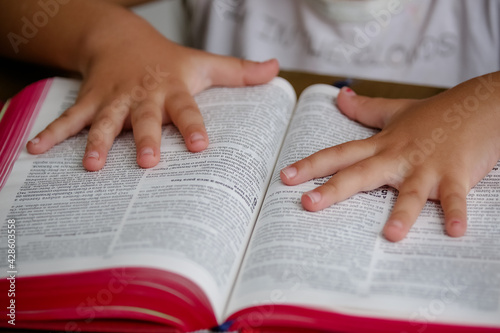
[429, 42]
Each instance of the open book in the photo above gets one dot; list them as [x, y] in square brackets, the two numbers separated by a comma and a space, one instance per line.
[214, 239]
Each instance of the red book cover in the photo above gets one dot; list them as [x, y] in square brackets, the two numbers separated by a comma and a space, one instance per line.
[17, 119]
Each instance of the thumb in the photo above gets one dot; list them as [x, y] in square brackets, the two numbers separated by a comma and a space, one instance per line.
[234, 72]
[371, 112]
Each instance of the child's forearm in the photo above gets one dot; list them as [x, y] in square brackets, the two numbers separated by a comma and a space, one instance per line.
[61, 33]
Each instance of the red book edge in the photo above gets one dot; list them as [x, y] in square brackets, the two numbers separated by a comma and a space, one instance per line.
[109, 300]
[288, 318]
[17, 122]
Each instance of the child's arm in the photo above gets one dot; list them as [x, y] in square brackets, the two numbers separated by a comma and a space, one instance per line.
[437, 148]
[132, 76]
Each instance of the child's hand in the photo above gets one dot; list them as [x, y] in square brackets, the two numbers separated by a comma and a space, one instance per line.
[135, 78]
[437, 148]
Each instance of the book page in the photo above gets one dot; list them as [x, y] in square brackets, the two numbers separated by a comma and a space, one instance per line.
[337, 260]
[192, 214]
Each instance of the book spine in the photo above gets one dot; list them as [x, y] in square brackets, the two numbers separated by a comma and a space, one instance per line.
[16, 120]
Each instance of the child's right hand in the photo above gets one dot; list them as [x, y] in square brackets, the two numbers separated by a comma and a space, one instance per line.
[135, 78]
[437, 148]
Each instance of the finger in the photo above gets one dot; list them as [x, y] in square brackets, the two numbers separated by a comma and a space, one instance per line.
[71, 122]
[146, 124]
[362, 176]
[184, 113]
[372, 112]
[103, 131]
[327, 161]
[229, 71]
[453, 197]
[413, 194]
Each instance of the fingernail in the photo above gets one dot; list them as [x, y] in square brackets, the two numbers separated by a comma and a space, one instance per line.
[289, 172]
[147, 151]
[195, 137]
[349, 91]
[35, 141]
[314, 196]
[396, 225]
[92, 154]
[456, 225]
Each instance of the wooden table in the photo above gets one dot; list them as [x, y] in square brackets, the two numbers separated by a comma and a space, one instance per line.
[300, 81]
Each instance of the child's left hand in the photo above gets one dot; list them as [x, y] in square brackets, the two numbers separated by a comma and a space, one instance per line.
[437, 148]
